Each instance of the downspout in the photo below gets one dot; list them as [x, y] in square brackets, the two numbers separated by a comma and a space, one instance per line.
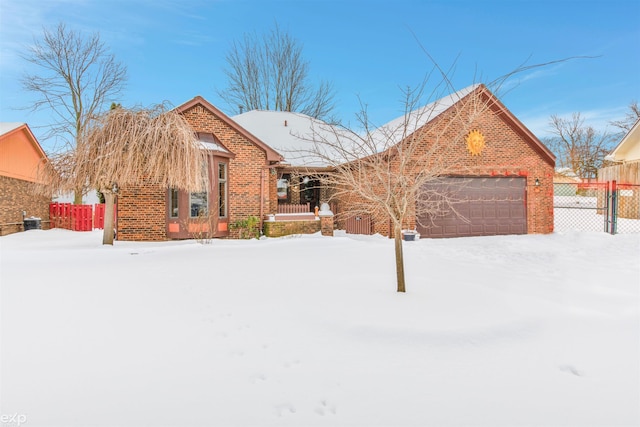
[262, 174]
[262, 198]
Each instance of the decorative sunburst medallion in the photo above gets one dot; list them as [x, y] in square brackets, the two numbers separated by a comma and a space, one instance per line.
[475, 142]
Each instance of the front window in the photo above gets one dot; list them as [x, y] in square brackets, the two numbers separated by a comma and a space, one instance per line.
[198, 204]
[173, 203]
[222, 190]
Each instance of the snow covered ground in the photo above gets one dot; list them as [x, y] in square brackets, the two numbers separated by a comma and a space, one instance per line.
[536, 330]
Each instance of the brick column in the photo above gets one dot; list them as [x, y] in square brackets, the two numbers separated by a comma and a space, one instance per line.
[326, 223]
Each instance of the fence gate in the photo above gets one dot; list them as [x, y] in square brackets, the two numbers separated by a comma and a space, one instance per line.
[359, 224]
[597, 206]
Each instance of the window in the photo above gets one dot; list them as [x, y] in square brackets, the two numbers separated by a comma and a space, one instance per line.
[173, 203]
[198, 204]
[284, 189]
[222, 190]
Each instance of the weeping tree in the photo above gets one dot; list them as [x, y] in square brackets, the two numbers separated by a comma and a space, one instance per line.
[125, 147]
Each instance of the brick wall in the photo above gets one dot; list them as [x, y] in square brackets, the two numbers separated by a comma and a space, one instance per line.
[17, 196]
[142, 210]
[285, 228]
[142, 213]
[245, 169]
[506, 153]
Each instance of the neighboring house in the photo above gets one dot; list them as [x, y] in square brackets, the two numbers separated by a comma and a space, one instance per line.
[20, 157]
[510, 188]
[624, 168]
[242, 183]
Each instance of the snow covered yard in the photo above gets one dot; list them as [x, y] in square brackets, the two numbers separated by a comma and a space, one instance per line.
[309, 331]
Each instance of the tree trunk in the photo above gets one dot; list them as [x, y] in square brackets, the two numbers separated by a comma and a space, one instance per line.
[397, 235]
[107, 237]
[77, 197]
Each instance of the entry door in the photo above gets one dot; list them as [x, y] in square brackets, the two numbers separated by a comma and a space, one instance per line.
[483, 206]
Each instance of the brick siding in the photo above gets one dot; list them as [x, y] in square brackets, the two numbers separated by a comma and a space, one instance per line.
[142, 211]
[506, 153]
[285, 228]
[17, 196]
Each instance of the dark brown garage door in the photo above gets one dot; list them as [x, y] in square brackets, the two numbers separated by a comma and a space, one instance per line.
[484, 206]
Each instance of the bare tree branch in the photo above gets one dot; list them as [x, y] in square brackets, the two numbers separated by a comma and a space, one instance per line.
[268, 72]
[76, 77]
[630, 119]
[580, 149]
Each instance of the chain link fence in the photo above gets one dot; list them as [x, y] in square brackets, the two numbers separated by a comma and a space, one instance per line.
[598, 206]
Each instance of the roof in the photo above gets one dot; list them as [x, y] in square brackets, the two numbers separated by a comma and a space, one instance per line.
[272, 155]
[210, 142]
[20, 152]
[9, 127]
[291, 134]
[6, 127]
[394, 131]
[629, 147]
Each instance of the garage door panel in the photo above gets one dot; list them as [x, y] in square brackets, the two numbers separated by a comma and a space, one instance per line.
[491, 206]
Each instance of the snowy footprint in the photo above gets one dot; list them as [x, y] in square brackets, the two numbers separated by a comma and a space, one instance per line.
[325, 408]
[284, 409]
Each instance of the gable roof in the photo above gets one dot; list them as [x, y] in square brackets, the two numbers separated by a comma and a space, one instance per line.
[291, 133]
[272, 155]
[17, 159]
[7, 128]
[394, 131]
[401, 127]
[628, 149]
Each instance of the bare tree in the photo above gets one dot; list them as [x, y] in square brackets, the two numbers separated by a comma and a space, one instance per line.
[630, 119]
[579, 148]
[383, 171]
[76, 78]
[128, 147]
[268, 72]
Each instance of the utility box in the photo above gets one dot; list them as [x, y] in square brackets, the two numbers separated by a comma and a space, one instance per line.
[32, 224]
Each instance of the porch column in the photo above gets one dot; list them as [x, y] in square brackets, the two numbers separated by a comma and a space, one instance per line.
[326, 222]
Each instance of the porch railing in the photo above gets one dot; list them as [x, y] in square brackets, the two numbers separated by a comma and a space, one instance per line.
[289, 208]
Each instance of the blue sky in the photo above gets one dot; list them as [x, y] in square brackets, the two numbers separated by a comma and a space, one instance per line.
[175, 50]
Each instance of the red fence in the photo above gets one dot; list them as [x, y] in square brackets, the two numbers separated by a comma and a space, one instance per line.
[98, 215]
[76, 217]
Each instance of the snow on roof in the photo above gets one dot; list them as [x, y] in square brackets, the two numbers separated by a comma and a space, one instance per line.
[209, 142]
[6, 127]
[394, 131]
[290, 134]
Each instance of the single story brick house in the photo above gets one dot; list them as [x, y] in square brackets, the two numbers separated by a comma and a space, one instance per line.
[258, 168]
[20, 157]
[508, 183]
